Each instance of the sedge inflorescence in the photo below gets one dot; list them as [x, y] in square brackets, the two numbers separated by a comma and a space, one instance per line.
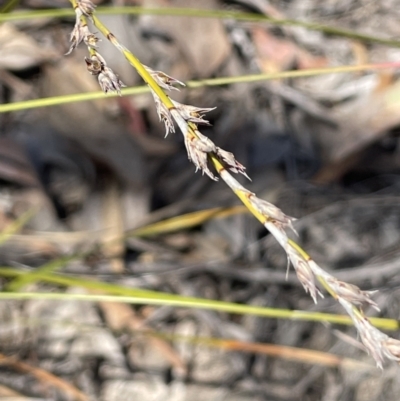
[202, 152]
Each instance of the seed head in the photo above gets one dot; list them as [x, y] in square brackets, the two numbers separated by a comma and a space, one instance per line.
[233, 165]
[198, 149]
[109, 81]
[77, 36]
[95, 64]
[304, 272]
[163, 80]
[79, 33]
[271, 211]
[164, 114]
[392, 346]
[372, 339]
[85, 7]
[191, 113]
[91, 40]
[351, 293]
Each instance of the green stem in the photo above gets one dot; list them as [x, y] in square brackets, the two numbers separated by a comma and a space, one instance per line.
[140, 296]
[9, 6]
[31, 277]
[80, 97]
[201, 13]
[134, 62]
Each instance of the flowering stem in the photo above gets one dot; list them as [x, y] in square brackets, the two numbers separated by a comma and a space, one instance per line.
[201, 150]
[134, 62]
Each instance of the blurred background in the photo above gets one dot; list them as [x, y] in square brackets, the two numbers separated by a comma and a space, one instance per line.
[82, 184]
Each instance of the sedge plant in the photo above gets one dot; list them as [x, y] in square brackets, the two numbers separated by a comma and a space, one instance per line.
[214, 161]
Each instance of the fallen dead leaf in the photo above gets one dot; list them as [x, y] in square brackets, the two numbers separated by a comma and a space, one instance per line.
[202, 41]
[361, 122]
[19, 51]
[277, 54]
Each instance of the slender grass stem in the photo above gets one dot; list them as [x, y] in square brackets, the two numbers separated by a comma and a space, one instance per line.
[201, 13]
[138, 90]
[117, 293]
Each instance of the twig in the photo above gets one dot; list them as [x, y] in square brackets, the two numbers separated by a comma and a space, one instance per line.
[44, 376]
